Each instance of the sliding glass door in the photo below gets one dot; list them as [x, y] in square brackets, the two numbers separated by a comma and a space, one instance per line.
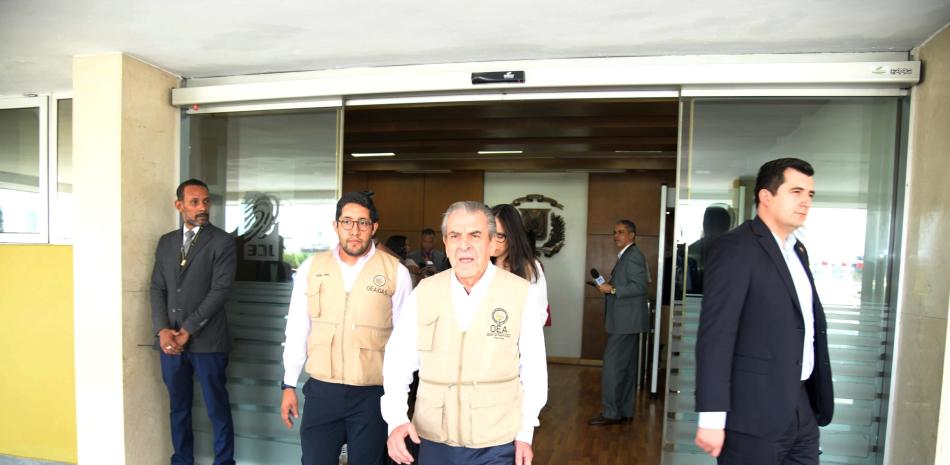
[274, 179]
[853, 144]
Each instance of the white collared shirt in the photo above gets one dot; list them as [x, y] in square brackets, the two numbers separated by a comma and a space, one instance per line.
[402, 358]
[184, 232]
[298, 318]
[620, 254]
[803, 290]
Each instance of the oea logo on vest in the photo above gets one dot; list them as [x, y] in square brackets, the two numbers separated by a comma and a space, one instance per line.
[497, 329]
[377, 286]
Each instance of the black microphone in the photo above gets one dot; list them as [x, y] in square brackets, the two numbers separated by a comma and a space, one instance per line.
[597, 277]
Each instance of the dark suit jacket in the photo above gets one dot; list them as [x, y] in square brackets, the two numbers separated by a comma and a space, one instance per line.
[439, 259]
[193, 297]
[751, 332]
[626, 312]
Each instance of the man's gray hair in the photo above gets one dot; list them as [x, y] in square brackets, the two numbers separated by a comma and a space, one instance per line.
[469, 206]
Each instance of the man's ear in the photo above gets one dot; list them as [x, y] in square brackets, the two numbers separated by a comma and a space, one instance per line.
[765, 197]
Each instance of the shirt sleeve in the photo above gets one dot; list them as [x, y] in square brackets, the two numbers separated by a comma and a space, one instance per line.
[403, 288]
[533, 364]
[712, 420]
[542, 293]
[400, 361]
[298, 326]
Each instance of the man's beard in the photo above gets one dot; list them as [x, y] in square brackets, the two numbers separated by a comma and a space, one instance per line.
[357, 253]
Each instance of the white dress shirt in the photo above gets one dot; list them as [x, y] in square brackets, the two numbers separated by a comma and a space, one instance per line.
[540, 293]
[184, 231]
[298, 318]
[402, 358]
[717, 420]
[620, 254]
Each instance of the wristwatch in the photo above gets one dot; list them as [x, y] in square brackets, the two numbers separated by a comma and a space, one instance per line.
[284, 387]
[613, 291]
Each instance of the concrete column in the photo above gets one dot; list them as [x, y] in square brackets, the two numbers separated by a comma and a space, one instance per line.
[126, 169]
[924, 287]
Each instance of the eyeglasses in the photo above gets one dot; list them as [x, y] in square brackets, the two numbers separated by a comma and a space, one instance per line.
[348, 223]
[501, 237]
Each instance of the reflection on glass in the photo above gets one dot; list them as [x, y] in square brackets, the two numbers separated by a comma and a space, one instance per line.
[851, 144]
[274, 174]
[63, 204]
[20, 199]
[273, 182]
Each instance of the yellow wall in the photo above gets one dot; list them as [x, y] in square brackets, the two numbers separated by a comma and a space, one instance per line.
[37, 388]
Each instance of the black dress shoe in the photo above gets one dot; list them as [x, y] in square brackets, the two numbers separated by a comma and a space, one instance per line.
[602, 421]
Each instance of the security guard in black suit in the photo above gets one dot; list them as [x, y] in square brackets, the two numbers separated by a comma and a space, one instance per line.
[763, 376]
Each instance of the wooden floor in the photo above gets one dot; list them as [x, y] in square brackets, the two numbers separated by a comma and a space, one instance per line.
[564, 438]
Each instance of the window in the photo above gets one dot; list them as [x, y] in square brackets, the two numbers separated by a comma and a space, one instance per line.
[62, 202]
[36, 203]
[23, 183]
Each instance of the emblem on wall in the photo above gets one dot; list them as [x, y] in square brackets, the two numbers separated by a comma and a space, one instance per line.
[544, 224]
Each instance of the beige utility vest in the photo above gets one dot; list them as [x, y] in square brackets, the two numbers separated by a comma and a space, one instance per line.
[348, 332]
[469, 386]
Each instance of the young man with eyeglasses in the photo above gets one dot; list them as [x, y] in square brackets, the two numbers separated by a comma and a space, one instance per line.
[342, 310]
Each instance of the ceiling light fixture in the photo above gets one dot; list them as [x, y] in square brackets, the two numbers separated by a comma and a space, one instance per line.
[638, 151]
[499, 152]
[376, 154]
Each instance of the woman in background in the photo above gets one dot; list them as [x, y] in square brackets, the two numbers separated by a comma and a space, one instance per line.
[513, 251]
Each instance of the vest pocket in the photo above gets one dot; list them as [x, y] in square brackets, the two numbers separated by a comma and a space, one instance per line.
[319, 355]
[496, 413]
[313, 302]
[426, 334]
[429, 415]
[372, 346]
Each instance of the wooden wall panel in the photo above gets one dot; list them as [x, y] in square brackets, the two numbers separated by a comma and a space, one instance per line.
[634, 196]
[595, 335]
[354, 182]
[441, 190]
[409, 203]
[397, 197]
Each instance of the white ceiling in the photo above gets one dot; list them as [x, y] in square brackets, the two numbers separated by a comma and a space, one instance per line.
[216, 37]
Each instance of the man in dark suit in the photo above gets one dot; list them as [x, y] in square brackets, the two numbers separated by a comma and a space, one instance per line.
[430, 259]
[626, 316]
[191, 281]
[763, 377]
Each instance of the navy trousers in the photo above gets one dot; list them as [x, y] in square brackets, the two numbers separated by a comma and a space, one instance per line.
[336, 414]
[178, 373]
[434, 453]
[798, 445]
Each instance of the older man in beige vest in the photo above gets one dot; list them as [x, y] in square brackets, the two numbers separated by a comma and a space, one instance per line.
[474, 332]
[342, 310]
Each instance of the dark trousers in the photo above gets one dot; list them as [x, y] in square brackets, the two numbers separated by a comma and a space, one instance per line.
[336, 414]
[798, 445]
[619, 375]
[178, 373]
[434, 453]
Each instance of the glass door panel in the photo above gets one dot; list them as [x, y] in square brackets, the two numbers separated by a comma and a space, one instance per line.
[274, 179]
[851, 142]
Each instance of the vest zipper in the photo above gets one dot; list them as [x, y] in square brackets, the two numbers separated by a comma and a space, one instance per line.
[346, 306]
[458, 387]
